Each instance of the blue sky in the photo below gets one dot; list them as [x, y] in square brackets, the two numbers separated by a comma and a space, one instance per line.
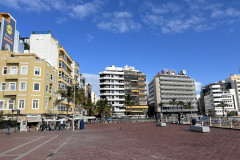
[201, 36]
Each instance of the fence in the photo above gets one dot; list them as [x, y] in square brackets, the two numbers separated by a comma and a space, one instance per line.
[221, 122]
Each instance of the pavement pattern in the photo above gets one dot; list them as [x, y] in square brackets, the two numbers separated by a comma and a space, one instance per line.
[122, 141]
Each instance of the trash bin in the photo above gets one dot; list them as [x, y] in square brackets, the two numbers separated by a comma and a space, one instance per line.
[82, 124]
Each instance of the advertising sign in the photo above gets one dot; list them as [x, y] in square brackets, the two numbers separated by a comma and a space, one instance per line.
[7, 34]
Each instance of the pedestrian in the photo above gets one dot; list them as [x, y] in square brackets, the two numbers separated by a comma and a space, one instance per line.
[9, 123]
[179, 118]
[61, 124]
[157, 117]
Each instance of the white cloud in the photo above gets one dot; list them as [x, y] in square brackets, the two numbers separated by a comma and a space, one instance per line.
[118, 22]
[198, 86]
[90, 37]
[93, 79]
[196, 15]
[61, 20]
[27, 5]
[87, 9]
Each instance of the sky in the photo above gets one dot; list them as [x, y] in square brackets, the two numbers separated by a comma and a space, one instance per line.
[200, 36]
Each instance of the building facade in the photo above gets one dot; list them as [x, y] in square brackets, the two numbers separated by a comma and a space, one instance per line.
[27, 84]
[168, 85]
[116, 83]
[212, 94]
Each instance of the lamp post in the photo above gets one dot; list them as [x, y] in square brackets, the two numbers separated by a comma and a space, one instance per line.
[73, 106]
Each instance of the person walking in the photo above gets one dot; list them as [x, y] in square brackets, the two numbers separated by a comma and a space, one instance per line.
[61, 124]
[9, 123]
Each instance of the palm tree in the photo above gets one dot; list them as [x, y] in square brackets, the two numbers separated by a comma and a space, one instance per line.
[103, 108]
[80, 98]
[173, 102]
[88, 105]
[223, 105]
[68, 95]
[161, 106]
[128, 100]
[189, 106]
[180, 103]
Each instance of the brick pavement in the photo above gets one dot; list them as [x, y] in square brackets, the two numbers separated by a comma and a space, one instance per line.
[141, 141]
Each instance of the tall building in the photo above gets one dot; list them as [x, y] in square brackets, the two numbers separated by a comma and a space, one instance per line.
[94, 98]
[168, 85]
[116, 83]
[47, 47]
[234, 80]
[135, 86]
[27, 84]
[212, 94]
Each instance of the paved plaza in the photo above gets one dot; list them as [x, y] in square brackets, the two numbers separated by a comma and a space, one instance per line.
[122, 141]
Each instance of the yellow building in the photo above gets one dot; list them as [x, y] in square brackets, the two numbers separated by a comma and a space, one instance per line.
[28, 84]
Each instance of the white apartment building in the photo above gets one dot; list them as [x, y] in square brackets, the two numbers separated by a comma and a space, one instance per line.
[234, 80]
[212, 94]
[112, 88]
[168, 85]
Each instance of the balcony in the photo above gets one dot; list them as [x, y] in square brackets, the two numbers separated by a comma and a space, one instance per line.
[176, 83]
[13, 60]
[142, 89]
[112, 94]
[10, 93]
[12, 76]
[178, 92]
[142, 94]
[176, 87]
[141, 84]
[178, 78]
[178, 96]
[112, 89]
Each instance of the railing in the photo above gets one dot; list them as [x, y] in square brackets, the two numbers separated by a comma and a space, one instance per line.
[219, 122]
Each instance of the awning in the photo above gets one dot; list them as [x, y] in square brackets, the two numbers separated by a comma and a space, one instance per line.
[34, 119]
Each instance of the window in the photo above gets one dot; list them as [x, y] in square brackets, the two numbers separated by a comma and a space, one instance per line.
[3, 86]
[36, 86]
[22, 86]
[54, 78]
[11, 104]
[14, 70]
[47, 73]
[35, 104]
[12, 86]
[4, 71]
[24, 70]
[51, 77]
[46, 105]
[1, 104]
[37, 71]
[21, 104]
[54, 90]
[47, 88]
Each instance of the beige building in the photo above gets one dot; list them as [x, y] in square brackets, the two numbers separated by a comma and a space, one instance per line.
[29, 84]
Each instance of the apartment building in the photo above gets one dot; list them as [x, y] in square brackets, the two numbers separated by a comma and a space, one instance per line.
[48, 48]
[135, 86]
[116, 83]
[234, 80]
[28, 83]
[212, 94]
[168, 85]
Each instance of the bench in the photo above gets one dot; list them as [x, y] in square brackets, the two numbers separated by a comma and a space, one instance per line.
[198, 128]
[161, 124]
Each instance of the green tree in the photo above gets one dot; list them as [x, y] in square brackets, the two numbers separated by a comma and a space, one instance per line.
[67, 95]
[103, 108]
[181, 104]
[173, 102]
[223, 105]
[128, 100]
[1, 116]
[89, 106]
[189, 106]
[80, 98]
